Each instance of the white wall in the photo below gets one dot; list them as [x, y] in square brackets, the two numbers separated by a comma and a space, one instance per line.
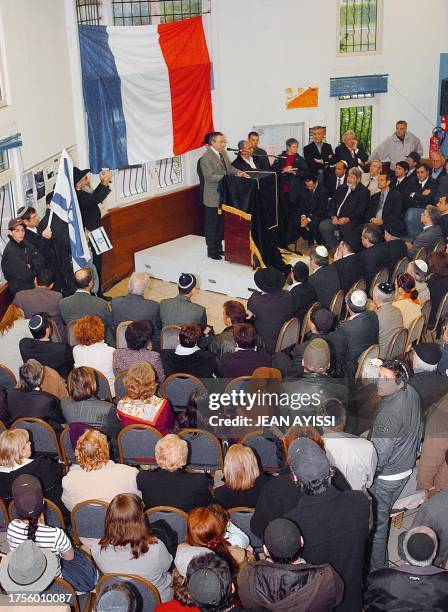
[39, 93]
[261, 47]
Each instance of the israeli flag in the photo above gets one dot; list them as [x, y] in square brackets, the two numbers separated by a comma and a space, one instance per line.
[65, 205]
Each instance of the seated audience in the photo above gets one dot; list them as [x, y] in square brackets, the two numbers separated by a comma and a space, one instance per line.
[13, 327]
[399, 180]
[128, 546]
[195, 413]
[370, 179]
[20, 259]
[92, 350]
[437, 283]
[56, 355]
[138, 337]
[310, 587]
[396, 433]
[425, 379]
[418, 270]
[438, 166]
[407, 299]
[272, 306]
[432, 469]
[43, 298]
[413, 160]
[95, 476]
[422, 193]
[188, 357]
[390, 320]
[242, 478]
[351, 151]
[347, 261]
[325, 279]
[141, 404]
[15, 460]
[386, 206]
[354, 456]
[234, 535]
[337, 177]
[393, 147]
[246, 358]
[233, 314]
[302, 291]
[135, 307]
[373, 256]
[430, 234]
[321, 504]
[361, 328]
[82, 406]
[313, 209]
[64, 559]
[119, 596]
[417, 585]
[395, 248]
[281, 494]
[170, 484]
[180, 309]
[209, 583]
[442, 366]
[442, 206]
[28, 400]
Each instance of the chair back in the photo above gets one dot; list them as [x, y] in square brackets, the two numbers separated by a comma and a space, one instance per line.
[307, 320]
[4, 517]
[2, 427]
[42, 436]
[53, 515]
[61, 590]
[103, 387]
[7, 377]
[175, 518]
[68, 452]
[371, 352]
[241, 517]
[400, 267]
[439, 246]
[70, 331]
[426, 311]
[264, 448]
[120, 391]
[169, 336]
[442, 312]
[87, 520]
[359, 285]
[337, 304]
[120, 338]
[239, 383]
[55, 334]
[422, 253]
[177, 388]
[204, 450]
[147, 595]
[289, 335]
[137, 444]
[397, 346]
[382, 276]
[414, 333]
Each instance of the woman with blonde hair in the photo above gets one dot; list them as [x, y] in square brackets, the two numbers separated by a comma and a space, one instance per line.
[96, 476]
[13, 327]
[128, 545]
[92, 350]
[242, 477]
[16, 459]
[141, 404]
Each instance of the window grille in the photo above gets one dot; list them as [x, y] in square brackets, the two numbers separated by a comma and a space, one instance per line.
[88, 12]
[358, 26]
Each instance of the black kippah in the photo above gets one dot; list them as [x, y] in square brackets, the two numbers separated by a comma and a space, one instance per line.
[386, 288]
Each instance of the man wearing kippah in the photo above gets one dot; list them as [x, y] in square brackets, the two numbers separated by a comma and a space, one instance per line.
[389, 316]
[180, 309]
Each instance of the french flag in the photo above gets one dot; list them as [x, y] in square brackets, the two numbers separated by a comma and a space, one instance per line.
[146, 91]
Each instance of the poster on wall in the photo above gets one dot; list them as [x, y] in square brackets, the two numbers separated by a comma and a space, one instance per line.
[29, 189]
[302, 97]
[40, 184]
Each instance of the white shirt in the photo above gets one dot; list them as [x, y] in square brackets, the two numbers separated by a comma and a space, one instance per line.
[423, 183]
[217, 153]
[184, 350]
[355, 457]
[99, 356]
[250, 161]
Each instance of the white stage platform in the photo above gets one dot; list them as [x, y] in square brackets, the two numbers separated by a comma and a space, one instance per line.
[167, 261]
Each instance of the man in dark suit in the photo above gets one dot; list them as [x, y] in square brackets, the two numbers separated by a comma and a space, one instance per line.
[324, 279]
[302, 291]
[244, 160]
[42, 299]
[318, 154]
[399, 180]
[336, 178]
[56, 355]
[373, 257]
[348, 208]
[135, 307]
[442, 205]
[431, 233]
[385, 206]
[313, 209]
[361, 329]
[180, 309]
[41, 242]
[350, 151]
[246, 358]
[347, 262]
[263, 158]
[89, 201]
[424, 193]
[271, 308]
[394, 247]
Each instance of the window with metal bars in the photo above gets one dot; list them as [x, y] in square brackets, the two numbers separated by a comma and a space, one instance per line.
[4, 161]
[131, 12]
[169, 172]
[358, 26]
[88, 12]
[143, 12]
[132, 181]
[358, 119]
[176, 10]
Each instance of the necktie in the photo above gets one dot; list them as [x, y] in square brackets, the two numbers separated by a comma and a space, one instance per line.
[221, 157]
[353, 153]
[339, 182]
[421, 185]
[379, 213]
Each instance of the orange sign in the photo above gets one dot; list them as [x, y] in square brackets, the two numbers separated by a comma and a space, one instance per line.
[302, 97]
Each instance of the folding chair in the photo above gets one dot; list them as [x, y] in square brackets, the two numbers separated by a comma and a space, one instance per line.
[442, 312]
[400, 267]
[204, 450]
[397, 345]
[70, 330]
[103, 387]
[61, 587]
[439, 246]
[148, 597]
[169, 336]
[120, 338]
[178, 388]
[265, 450]
[68, 452]
[42, 436]
[414, 333]
[87, 520]
[241, 517]
[289, 335]
[137, 444]
[422, 253]
[337, 304]
[307, 320]
[7, 377]
[371, 352]
[426, 311]
[382, 276]
[120, 391]
[174, 517]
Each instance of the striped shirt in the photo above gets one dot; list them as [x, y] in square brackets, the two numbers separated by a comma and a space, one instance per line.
[52, 538]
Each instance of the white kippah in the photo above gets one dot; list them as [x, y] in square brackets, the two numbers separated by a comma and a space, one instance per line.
[376, 363]
[322, 251]
[422, 265]
[358, 298]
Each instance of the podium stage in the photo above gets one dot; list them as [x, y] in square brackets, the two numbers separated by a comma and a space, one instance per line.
[167, 261]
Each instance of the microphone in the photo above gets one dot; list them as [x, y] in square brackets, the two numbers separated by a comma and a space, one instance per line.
[232, 150]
